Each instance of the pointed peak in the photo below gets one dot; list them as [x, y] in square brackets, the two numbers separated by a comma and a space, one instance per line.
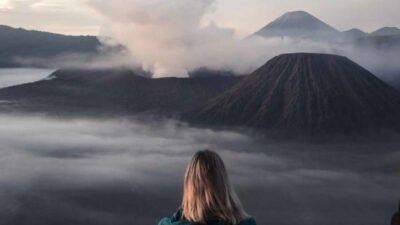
[298, 24]
[298, 13]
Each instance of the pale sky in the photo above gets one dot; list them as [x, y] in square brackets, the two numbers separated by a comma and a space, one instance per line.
[244, 16]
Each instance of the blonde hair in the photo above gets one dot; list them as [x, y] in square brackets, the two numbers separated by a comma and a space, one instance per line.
[207, 192]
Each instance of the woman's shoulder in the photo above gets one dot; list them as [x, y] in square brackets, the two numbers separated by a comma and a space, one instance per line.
[170, 221]
[175, 219]
[248, 221]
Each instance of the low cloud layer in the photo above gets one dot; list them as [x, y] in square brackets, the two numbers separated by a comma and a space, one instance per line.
[110, 55]
[16, 76]
[119, 171]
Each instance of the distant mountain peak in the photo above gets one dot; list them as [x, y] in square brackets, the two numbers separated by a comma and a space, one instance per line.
[354, 33]
[355, 30]
[298, 24]
[386, 31]
[297, 15]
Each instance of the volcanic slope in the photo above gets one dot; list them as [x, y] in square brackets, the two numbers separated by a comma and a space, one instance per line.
[302, 92]
[112, 91]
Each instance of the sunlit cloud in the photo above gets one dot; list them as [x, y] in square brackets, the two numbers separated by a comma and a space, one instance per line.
[5, 5]
[59, 16]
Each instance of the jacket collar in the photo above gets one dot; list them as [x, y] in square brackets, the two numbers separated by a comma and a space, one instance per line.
[177, 216]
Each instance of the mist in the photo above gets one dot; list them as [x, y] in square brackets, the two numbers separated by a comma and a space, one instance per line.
[16, 76]
[89, 168]
[172, 38]
[124, 171]
[109, 55]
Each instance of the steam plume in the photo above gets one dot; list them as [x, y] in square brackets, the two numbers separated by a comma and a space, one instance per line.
[170, 38]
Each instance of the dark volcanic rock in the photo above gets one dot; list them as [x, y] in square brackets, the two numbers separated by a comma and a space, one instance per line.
[396, 83]
[205, 72]
[307, 93]
[114, 91]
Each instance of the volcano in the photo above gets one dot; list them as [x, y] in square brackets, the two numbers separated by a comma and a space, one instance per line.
[112, 92]
[307, 93]
[298, 24]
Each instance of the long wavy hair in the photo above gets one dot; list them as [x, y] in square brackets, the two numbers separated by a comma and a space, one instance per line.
[207, 192]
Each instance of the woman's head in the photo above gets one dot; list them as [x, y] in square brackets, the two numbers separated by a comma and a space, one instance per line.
[207, 192]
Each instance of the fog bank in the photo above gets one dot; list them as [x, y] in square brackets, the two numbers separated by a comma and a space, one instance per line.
[122, 171]
[17, 76]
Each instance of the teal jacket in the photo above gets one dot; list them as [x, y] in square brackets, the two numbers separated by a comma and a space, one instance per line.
[176, 219]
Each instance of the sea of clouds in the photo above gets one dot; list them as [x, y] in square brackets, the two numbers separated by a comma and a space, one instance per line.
[124, 171]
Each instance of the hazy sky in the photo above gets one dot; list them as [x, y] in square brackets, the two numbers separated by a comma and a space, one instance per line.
[244, 16]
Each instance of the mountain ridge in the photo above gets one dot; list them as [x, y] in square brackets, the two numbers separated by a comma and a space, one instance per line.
[385, 31]
[19, 43]
[113, 91]
[301, 24]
